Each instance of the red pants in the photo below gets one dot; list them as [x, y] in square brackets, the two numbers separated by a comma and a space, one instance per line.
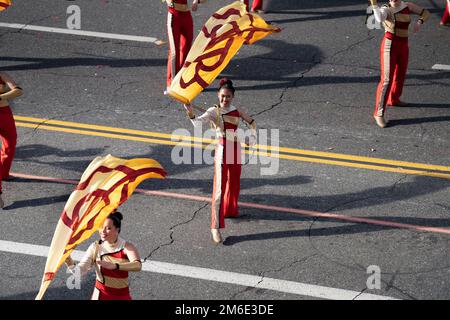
[257, 4]
[180, 29]
[227, 183]
[8, 135]
[446, 16]
[394, 54]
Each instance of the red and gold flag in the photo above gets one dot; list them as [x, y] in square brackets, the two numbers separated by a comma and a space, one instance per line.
[104, 186]
[219, 40]
[4, 4]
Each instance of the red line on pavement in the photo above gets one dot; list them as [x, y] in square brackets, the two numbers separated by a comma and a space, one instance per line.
[308, 213]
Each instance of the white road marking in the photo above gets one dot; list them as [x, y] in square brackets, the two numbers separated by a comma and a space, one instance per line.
[81, 33]
[441, 67]
[241, 279]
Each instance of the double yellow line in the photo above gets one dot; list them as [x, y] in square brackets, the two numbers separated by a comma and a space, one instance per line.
[262, 150]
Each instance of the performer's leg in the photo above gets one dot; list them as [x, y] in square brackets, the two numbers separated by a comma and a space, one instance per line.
[173, 33]
[217, 219]
[401, 61]
[384, 85]
[446, 16]
[8, 134]
[257, 5]
[187, 35]
[246, 4]
[233, 186]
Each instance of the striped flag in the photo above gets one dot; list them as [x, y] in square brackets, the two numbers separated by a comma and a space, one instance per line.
[104, 186]
[219, 40]
[4, 4]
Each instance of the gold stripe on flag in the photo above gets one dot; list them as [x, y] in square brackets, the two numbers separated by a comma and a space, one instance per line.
[219, 40]
[4, 4]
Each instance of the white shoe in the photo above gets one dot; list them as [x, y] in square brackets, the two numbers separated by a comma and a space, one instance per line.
[216, 236]
[380, 121]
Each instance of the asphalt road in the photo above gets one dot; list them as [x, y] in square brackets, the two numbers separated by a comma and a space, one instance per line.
[315, 82]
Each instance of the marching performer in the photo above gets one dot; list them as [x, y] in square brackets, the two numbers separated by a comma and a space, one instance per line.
[227, 160]
[395, 17]
[8, 133]
[180, 30]
[112, 258]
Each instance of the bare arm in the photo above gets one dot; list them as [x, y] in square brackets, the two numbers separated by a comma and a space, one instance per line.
[14, 92]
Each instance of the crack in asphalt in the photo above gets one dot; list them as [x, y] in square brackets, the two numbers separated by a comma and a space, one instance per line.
[262, 275]
[442, 206]
[56, 117]
[362, 291]
[315, 62]
[172, 230]
[123, 85]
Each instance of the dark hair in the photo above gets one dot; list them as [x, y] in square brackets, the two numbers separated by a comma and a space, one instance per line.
[226, 83]
[116, 217]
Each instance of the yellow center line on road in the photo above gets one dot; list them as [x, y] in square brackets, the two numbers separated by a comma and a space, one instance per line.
[379, 164]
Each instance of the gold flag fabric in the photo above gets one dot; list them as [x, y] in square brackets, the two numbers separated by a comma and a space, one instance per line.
[219, 40]
[104, 186]
[4, 4]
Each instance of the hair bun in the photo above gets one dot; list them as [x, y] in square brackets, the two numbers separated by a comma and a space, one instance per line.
[118, 215]
[225, 81]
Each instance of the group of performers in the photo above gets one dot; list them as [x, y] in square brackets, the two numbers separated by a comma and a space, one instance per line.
[112, 257]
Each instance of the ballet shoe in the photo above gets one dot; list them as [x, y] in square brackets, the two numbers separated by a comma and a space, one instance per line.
[380, 121]
[216, 236]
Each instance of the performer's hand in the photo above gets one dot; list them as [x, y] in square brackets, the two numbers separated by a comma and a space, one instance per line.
[250, 141]
[417, 26]
[106, 264]
[194, 5]
[69, 261]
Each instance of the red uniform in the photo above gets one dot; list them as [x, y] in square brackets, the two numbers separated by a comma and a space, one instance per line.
[446, 17]
[394, 52]
[180, 29]
[227, 172]
[227, 162]
[257, 5]
[8, 134]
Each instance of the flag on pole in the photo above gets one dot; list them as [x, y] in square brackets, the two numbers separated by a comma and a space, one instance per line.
[4, 4]
[104, 186]
[219, 40]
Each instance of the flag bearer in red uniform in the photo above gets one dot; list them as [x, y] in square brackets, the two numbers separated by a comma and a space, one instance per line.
[180, 30]
[227, 160]
[396, 17]
[112, 258]
[8, 91]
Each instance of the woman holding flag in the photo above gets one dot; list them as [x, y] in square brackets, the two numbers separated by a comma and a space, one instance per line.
[112, 258]
[227, 160]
